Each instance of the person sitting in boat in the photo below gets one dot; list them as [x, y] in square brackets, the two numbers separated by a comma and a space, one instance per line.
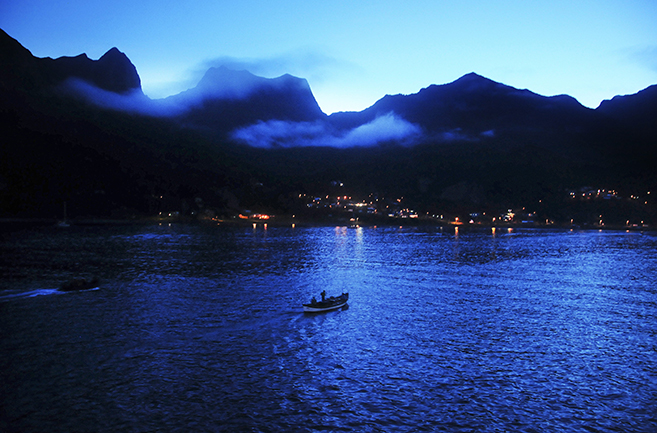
[323, 295]
[313, 300]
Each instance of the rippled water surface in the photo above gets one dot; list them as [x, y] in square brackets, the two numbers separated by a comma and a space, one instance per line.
[200, 328]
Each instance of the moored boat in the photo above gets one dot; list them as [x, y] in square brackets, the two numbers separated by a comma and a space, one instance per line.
[326, 304]
[80, 284]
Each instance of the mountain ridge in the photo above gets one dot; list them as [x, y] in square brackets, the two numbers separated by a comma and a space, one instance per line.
[471, 142]
[112, 72]
[225, 99]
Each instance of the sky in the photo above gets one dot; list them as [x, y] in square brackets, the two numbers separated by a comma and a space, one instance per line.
[354, 52]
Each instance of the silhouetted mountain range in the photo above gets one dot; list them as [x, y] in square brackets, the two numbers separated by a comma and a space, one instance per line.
[82, 131]
[474, 104]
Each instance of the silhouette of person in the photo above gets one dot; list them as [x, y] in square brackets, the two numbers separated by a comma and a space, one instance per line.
[323, 295]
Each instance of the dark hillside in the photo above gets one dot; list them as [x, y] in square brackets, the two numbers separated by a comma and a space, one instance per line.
[475, 145]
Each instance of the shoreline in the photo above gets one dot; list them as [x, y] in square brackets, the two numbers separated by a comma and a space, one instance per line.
[294, 222]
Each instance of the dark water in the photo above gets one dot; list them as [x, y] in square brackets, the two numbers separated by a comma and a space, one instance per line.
[200, 329]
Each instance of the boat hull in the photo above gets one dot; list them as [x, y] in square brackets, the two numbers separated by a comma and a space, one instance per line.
[310, 309]
[328, 305]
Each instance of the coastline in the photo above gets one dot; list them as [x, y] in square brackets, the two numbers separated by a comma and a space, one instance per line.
[288, 221]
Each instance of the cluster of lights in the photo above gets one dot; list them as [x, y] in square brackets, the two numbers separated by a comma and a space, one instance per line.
[258, 216]
[341, 201]
[393, 208]
[603, 193]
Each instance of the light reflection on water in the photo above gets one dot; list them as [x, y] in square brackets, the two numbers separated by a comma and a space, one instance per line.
[200, 328]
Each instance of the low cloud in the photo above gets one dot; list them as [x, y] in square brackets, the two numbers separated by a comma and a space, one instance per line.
[278, 133]
[217, 84]
[269, 134]
[311, 64]
[133, 102]
[273, 133]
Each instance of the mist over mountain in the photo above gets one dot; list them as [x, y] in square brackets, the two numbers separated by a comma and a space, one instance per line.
[224, 100]
[475, 105]
[81, 131]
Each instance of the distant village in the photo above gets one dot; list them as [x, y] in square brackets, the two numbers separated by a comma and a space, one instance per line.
[581, 207]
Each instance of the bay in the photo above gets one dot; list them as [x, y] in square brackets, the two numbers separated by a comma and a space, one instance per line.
[200, 328]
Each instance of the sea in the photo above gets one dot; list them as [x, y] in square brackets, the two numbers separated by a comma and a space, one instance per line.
[200, 328]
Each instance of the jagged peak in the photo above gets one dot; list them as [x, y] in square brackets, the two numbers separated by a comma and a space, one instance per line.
[288, 80]
[473, 76]
[82, 56]
[114, 51]
[113, 71]
[223, 82]
[115, 55]
[474, 81]
[218, 71]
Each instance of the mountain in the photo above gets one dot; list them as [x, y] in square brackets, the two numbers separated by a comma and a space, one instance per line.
[59, 148]
[636, 113]
[81, 131]
[474, 105]
[546, 143]
[113, 72]
[225, 99]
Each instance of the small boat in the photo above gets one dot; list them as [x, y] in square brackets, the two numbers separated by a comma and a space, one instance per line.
[328, 304]
[80, 284]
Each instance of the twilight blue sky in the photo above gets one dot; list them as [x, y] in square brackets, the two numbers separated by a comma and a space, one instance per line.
[354, 52]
